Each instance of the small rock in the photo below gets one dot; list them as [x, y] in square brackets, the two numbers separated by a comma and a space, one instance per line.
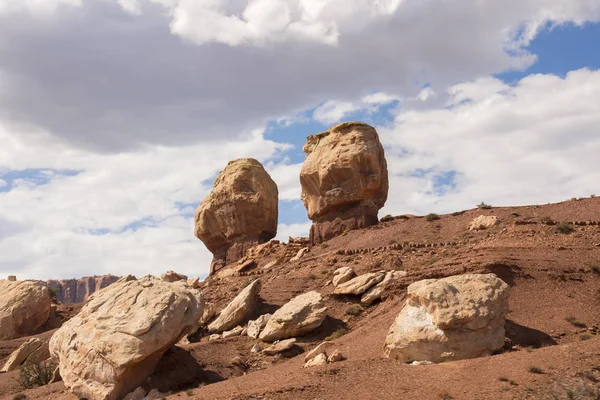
[421, 363]
[256, 349]
[237, 331]
[137, 394]
[255, 326]
[342, 275]
[360, 284]
[300, 254]
[238, 362]
[215, 336]
[279, 347]
[321, 359]
[336, 356]
[321, 348]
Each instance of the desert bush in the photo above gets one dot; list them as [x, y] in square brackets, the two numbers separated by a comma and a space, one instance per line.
[547, 221]
[536, 370]
[34, 374]
[337, 334]
[516, 214]
[484, 206]
[594, 268]
[53, 295]
[432, 217]
[565, 228]
[387, 218]
[354, 309]
[578, 324]
[19, 396]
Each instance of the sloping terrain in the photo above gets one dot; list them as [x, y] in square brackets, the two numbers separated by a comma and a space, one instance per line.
[553, 336]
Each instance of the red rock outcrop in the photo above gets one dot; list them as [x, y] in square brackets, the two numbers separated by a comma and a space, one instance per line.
[344, 179]
[69, 291]
[239, 213]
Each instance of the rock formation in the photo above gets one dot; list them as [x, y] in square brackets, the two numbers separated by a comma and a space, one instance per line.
[239, 213]
[24, 308]
[70, 291]
[115, 342]
[238, 310]
[344, 179]
[452, 318]
[33, 350]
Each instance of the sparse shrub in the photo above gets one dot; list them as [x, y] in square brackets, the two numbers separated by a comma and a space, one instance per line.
[312, 276]
[503, 379]
[592, 196]
[337, 334]
[513, 383]
[585, 336]
[392, 241]
[594, 268]
[547, 221]
[53, 295]
[36, 374]
[445, 396]
[387, 218]
[354, 309]
[484, 206]
[573, 321]
[516, 214]
[189, 392]
[432, 261]
[536, 370]
[432, 217]
[565, 228]
[19, 396]
[324, 245]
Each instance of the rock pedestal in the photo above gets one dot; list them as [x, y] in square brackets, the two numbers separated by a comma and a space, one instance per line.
[344, 179]
[239, 213]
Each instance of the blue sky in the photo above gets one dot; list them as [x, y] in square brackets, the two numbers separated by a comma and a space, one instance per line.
[107, 144]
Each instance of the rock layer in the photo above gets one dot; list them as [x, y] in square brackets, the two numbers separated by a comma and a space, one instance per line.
[71, 291]
[344, 179]
[239, 213]
[450, 319]
[115, 342]
[24, 308]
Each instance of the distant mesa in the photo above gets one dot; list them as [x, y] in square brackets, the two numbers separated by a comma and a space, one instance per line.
[344, 179]
[71, 291]
[239, 213]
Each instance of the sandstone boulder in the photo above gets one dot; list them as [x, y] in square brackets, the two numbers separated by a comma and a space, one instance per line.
[360, 284]
[237, 331]
[239, 213]
[450, 319]
[115, 342]
[483, 222]
[344, 179]
[255, 326]
[24, 308]
[320, 359]
[239, 310]
[28, 351]
[342, 275]
[279, 347]
[301, 315]
[381, 290]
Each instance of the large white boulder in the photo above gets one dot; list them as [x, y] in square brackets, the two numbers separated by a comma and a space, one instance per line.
[24, 308]
[115, 342]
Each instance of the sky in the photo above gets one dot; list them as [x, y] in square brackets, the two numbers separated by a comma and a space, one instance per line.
[117, 115]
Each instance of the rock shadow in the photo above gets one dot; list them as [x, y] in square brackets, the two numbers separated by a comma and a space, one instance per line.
[329, 326]
[527, 337]
[507, 272]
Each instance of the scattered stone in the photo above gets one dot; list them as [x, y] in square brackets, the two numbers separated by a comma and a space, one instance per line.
[24, 308]
[342, 275]
[320, 359]
[237, 331]
[336, 356]
[172, 276]
[299, 316]
[321, 348]
[483, 222]
[137, 394]
[115, 342]
[215, 336]
[238, 311]
[300, 254]
[344, 179]
[452, 318]
[279, 347]
[239, 213]
[360, 284]
[255, 326]
[256, 349]
[381, 290]
[244, 332]
[20, 355]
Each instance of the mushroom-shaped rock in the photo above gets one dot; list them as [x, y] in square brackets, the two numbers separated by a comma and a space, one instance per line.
[239, 213]
[115, 342]
[24, 308]
[301, 315]
[344, 179]
[238, 310]
[450, 319]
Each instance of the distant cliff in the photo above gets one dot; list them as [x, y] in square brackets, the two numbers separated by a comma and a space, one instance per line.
[71, 291]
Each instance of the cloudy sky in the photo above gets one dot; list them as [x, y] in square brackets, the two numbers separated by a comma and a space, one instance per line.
[116, 115]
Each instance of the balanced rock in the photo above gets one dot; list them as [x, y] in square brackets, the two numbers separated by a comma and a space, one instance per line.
[115, 342]
[24, 308]
[483, 222]
[360, 284]
[381, 290]
[301, 315]
[238, 311]
[450, 319]
[342, 275]
[344, 179]
[239, 213]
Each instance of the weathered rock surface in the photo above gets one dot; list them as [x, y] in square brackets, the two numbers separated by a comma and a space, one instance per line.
[71, 291]
[172, 276]
[342, 275]
[279, 347]
[301, 315]
[115, 342]
[360, 284]
[450, 319]
[239, 310]
[24, 308]
[483, 222]
[381, 290]
[239, 213]
[255, 326]
[27, 351]
[344, 179]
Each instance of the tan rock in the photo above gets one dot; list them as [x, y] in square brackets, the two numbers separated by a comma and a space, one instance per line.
[360, 284]
[237, 331]
[483, 222]
[215, 336]
[344, 179]
[208, 314]
[255, 326]
[279, 347]
[450, 319]
[342, 275]
[172, 276]
[321, 348]
[238, 310]
[20, 355]
[336, 356]
[195, 283]
[320, 359]
[301, 315]
[114, 343]
[381, 290]
[256, 348]
[240, 212]
[24, 308]
[300, 254]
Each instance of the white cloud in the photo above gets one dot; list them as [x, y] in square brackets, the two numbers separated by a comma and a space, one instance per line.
[37, 7]
[285, 231]
[333, 111]
[3, 183]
